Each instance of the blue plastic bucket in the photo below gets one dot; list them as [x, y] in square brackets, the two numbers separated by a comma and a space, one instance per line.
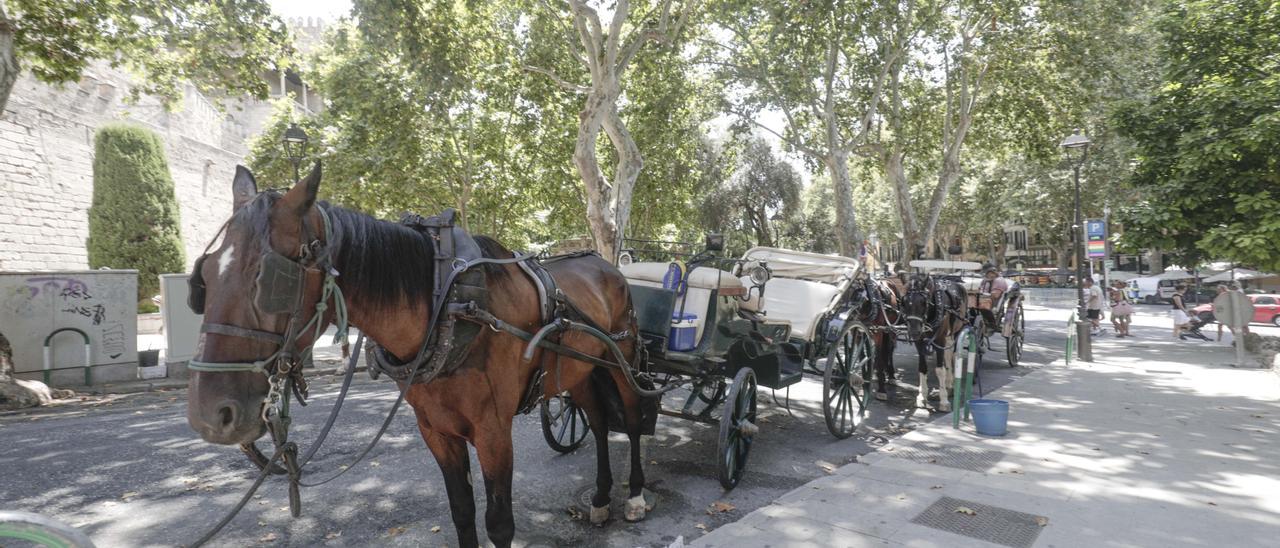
[990, 417]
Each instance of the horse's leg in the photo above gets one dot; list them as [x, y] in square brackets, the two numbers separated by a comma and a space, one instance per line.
[922, 356]
[631, 408]
[884, 365]
[455, 465]
[586, 398]
[943, 370]
[493, 450]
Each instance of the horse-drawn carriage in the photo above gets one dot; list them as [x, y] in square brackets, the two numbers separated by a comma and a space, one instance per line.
[725, 326]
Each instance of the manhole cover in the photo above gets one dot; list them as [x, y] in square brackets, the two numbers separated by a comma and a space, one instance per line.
[988, 523]
[964, 458]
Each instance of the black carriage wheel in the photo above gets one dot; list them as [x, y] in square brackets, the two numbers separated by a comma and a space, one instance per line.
[1013, 345]
[564, 425]
[737, 428]
[706, 395]
[847, 380]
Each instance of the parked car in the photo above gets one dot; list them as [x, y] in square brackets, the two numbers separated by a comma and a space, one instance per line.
[1266, 309]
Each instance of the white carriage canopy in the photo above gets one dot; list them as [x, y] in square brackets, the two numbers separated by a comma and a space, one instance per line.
[800, 265]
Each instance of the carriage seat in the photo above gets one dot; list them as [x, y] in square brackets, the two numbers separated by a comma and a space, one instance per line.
[799, 302]
[702, 281]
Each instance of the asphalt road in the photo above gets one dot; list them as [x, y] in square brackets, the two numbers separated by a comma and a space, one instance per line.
[128, 471]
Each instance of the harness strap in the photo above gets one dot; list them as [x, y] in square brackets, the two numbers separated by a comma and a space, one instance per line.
[237, 331]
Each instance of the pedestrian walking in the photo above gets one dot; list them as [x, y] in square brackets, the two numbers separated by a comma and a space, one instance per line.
[1093, 305]
[1181, 320]
[1121, 309]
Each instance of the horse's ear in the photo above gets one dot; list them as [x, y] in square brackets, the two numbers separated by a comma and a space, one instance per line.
[243, 188]
[302, 196]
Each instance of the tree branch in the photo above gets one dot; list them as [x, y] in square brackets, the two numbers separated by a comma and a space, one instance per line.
[568, 86]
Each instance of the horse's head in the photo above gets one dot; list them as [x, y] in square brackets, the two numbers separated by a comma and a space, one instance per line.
[258, 291]
[915, 305]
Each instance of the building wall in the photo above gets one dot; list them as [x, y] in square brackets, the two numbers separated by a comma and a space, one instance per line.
[46, 162]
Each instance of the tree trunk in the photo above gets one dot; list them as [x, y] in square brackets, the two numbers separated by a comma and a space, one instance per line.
[599, 193]
[627, 171]
[846, 224]
[8, 57]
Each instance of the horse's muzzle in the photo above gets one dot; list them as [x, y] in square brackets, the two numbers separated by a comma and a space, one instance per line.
[227, 422]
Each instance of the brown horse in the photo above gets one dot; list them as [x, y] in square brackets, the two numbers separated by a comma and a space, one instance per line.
[385, 272]
[934, 310]
[876, 306]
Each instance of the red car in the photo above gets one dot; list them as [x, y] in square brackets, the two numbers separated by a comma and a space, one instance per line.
[1266, 309]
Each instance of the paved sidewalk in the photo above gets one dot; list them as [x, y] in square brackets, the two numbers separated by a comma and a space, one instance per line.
[1157, 443]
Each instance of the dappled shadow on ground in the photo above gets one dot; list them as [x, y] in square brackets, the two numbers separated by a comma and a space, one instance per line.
[130, 472]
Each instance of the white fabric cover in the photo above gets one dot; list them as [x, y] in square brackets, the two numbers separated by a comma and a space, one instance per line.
[785, 263]
[701, 278]
[799, 302]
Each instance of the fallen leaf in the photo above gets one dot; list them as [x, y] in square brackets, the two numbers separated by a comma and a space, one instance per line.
[902, 496]
[1015, 471]
[332, 535]
[1213, 504]
[936, 487]
[653, 462]
[131, 494]
[1097, 449]
[826, 466]
[1257, 416]
[435, 529]
[1144, 452]
[267, 537]
[1042, 521]
[719, 507]
[262, 523]
[575, 513]
[702, 526]
[395, 531]
[375, 464]
[966, 511]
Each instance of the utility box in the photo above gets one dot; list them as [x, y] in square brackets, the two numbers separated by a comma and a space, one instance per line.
[181, 325]
[82, 324]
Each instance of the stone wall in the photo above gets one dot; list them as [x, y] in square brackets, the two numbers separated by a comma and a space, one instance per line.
[46, 163]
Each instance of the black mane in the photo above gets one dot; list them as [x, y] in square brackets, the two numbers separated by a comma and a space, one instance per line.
[379, 262]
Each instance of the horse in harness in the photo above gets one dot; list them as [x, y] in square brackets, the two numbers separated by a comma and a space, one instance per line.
[501, 331]
[876, 305]
[935, 310]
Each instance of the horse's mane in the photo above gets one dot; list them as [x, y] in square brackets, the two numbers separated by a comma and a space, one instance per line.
[379, 262]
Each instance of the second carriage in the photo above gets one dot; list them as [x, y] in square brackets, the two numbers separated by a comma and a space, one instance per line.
[725, 326]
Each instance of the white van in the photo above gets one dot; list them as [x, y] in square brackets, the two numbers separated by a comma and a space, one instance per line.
[1151, 290]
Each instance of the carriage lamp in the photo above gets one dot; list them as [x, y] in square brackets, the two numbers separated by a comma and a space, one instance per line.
[758, 272]
[1078, 141]
[295, 144]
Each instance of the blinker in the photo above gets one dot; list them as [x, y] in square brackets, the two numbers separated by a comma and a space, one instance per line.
[279, 284]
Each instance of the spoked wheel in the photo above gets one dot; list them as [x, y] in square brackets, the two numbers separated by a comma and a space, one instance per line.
[706, 395]
[564, 424]
[1013, 344]
[737, 428]
[847, 381]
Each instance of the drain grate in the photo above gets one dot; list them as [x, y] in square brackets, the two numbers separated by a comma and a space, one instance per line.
[964, 458]
[989, 523]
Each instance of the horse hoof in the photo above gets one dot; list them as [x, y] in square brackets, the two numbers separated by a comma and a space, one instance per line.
[944, 407]
[599, 515]
[882, 396]
[636, 508]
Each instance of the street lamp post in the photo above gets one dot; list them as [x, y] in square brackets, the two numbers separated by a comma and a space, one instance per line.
[295, 144]
[1106, 270]
[1074, 141]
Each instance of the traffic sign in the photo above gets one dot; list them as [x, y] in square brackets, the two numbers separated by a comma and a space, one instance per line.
[1233, 309]
[1096, 238]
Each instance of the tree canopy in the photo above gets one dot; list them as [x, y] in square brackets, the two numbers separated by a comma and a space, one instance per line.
[1206, 140]
[219, 46]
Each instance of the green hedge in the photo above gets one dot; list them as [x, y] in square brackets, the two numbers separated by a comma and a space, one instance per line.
[134, 222]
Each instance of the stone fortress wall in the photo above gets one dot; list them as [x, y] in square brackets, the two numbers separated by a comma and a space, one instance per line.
[46, 156]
